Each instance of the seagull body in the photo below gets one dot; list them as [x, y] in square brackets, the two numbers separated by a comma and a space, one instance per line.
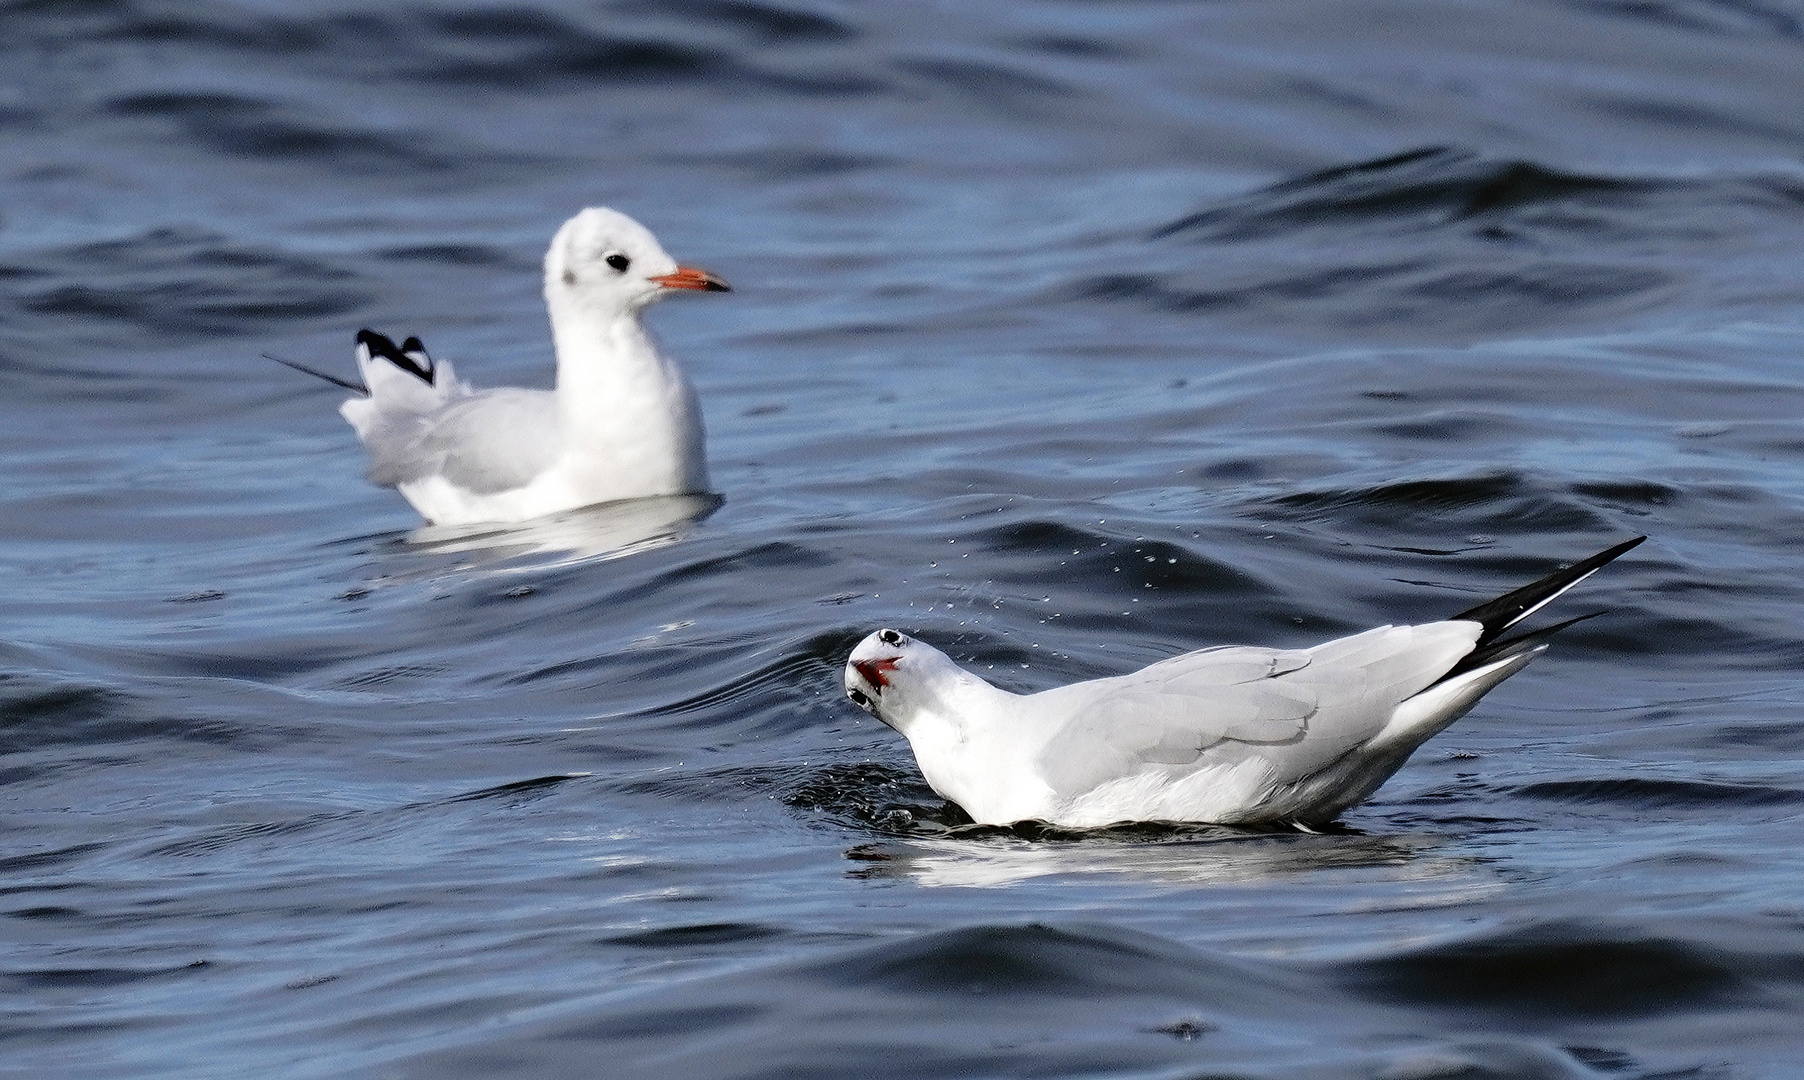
[1237, 735]
[623, 422]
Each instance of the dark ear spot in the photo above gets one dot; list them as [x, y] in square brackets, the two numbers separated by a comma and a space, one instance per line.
[569, 277]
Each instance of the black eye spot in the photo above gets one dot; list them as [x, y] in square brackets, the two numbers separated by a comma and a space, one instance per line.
[618, 261]
[858, 698]
[889, 637]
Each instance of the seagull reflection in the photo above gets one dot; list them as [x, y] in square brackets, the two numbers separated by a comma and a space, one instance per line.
[1225, 857]
[607, 531]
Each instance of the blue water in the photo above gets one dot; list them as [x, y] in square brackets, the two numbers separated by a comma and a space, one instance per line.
[1068, 335]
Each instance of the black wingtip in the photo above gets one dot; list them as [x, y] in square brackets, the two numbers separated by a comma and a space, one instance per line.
[1508, 647]
[1507, 610]
[410, 356]
[377, 344]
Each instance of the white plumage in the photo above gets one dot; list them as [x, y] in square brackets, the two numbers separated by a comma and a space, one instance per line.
[623, 422]
[1232, 735]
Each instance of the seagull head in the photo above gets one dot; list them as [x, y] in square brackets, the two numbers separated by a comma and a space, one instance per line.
[603, 259]
[896, 678]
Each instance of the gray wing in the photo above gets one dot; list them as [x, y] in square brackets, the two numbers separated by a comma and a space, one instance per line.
[1298, 710]
[486, 442]
[1170, 713]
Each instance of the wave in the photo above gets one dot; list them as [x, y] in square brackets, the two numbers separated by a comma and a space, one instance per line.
[1434, 184]
[322, 829]
[506, 47]
[1559, 972]
[1528, 1003]
[1441, 243]
[697, 935]
[178, 284]
[1644, 793]
[245, 127]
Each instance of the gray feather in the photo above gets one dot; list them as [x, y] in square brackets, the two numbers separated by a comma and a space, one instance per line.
[486, 442]
[1301, 708]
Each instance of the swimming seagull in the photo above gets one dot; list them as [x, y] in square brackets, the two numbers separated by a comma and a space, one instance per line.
[1236, 735]
[623, 422]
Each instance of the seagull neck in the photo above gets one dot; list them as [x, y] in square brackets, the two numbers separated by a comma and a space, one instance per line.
[604, 361]
[955, 710]
[967, 738]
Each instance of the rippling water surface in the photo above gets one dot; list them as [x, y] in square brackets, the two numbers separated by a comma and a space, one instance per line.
[1068, 335]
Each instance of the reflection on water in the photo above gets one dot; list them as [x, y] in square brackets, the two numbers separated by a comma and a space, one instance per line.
[607, 531]
[1224, 860]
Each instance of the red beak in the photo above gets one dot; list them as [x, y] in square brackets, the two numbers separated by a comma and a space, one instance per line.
[688, 277]
[873, 670]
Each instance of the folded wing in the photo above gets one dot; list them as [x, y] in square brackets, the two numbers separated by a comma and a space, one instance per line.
[481, 441]
[494, 440]
[1296, 710]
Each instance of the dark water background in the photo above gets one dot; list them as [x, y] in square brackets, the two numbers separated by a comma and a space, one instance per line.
[1069, 335]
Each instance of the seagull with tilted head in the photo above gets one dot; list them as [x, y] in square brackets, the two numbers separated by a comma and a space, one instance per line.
[1236, 735]
[623, 422]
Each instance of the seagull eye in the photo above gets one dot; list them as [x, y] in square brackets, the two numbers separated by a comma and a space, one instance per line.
[889, 637]
[618, 261]
[859, 698]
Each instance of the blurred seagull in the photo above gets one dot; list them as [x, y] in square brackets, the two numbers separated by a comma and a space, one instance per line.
[623, 422]
[1236, 735]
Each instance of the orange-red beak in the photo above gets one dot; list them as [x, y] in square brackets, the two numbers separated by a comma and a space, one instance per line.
[688, 277]
[873, 670]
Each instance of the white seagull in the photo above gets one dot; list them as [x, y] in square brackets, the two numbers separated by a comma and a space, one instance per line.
[1236, 735]
[623, 422]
